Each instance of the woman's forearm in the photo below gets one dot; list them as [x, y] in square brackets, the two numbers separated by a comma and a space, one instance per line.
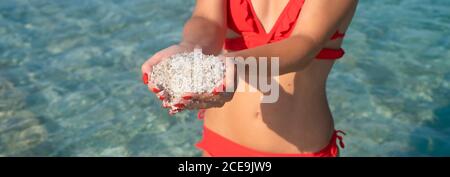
[201, 32]
[294, 53]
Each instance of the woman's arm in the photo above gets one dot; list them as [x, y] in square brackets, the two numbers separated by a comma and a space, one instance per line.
[317, 22]
[207, 26]
[206, 29]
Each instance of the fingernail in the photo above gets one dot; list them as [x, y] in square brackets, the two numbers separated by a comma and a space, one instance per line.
[223, 86]
[187, 97]
[155, 90]
[215, 91]
[219, 89]
[145, 78]
[161, 97]
[179, 105]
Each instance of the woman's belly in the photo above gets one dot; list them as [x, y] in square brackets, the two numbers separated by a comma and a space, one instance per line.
[300, 121]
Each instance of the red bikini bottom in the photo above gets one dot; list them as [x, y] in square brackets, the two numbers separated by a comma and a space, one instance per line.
[219, 146]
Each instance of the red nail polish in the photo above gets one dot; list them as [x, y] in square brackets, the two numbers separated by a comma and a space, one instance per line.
[179, 105]
[187, 97]
[215, 91]
[161, 97]
[219, 89]
[145, 78]
[224, 87]
[155, 90]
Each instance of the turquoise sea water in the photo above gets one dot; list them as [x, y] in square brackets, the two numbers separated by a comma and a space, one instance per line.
[70, 82]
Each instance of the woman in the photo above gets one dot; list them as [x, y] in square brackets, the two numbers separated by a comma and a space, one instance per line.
[306, 35]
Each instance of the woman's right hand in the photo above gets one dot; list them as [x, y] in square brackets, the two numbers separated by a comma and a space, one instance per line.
[147, 67]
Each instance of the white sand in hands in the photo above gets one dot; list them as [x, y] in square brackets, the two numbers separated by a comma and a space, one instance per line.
[188, 73]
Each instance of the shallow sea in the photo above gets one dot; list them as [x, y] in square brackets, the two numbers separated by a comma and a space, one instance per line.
[70, 82]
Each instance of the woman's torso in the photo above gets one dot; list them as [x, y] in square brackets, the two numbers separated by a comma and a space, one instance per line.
[300, 121]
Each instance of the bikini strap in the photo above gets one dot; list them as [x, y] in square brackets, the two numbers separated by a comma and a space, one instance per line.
[340, 138]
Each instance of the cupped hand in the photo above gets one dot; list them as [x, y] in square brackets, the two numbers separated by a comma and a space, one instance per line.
[146, 68]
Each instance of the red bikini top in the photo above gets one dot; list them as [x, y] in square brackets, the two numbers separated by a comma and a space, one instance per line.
[242, 19]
